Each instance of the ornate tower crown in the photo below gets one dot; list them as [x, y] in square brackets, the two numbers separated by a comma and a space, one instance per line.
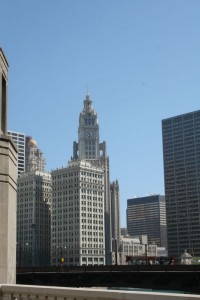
[88, 103]
[88, 133]
[88, 116]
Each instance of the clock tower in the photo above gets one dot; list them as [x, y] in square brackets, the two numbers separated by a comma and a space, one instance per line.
[88, 133]
[89, 149]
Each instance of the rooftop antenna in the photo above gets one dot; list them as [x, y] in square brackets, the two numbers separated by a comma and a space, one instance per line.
[87, 91]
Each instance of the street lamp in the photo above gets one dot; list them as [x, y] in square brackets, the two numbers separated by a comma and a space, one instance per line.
[22, 253]
[146, 254]
[19, 254]
[115, 243]
[61, 254]
[34, 263]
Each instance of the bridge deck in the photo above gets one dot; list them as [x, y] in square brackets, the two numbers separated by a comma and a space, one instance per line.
[159, 277]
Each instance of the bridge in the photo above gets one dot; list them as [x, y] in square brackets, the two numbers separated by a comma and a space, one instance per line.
[152, 277]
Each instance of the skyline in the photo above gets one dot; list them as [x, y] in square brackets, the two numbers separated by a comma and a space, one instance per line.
[139, 60]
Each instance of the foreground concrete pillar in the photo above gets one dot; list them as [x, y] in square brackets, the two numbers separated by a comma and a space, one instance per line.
[8, 186]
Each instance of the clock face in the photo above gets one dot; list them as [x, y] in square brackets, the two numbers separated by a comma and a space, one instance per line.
[89, 133]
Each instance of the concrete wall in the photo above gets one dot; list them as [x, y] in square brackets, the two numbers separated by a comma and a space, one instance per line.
[19, 292]
[3, 92]
[8, 186]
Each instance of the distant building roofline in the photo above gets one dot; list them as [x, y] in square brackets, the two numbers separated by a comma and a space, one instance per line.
[180, 115]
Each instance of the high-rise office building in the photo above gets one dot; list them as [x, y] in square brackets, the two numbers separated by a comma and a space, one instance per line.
[29, 156]
[115, 211]
[147, 216]
[34, 159]
[181, 152]
[78, 215]
[90, 150]
[19, 140]
[34, 194]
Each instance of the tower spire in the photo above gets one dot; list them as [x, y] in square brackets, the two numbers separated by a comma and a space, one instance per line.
[87, 91]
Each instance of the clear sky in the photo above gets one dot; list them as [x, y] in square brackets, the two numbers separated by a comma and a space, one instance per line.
[140, 60]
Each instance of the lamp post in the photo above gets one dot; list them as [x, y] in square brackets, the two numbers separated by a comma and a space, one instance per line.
[33, 226]
[60, 254]
[26, 254]
[146, 254]
[120, 252]
[115, 243]
[22, 254]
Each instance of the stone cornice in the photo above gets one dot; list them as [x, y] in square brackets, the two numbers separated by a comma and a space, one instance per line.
[6, 138]
[4, 57]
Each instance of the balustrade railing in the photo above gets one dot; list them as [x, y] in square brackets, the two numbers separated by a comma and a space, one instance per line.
[25, 292]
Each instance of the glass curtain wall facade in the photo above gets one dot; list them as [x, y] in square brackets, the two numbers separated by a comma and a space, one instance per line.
[147, 216]
[181, 153]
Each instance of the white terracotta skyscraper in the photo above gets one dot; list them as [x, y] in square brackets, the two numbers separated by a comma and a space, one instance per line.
[89, 148]
[82, 193]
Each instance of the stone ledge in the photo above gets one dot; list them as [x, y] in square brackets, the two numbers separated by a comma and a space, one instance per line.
[45, 292]
[6, 138]
[7, 179]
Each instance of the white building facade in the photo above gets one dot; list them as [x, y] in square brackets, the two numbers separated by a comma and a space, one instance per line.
[34, 156]
[78, 215]
[134, 250]
[89, 148]
[19, 139]
[30, 157]
[82, 196]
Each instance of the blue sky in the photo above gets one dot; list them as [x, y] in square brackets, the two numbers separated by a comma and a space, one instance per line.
[140, 60]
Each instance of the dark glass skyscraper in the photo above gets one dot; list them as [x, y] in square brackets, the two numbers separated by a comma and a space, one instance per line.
[147, 216]
[181, 152]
